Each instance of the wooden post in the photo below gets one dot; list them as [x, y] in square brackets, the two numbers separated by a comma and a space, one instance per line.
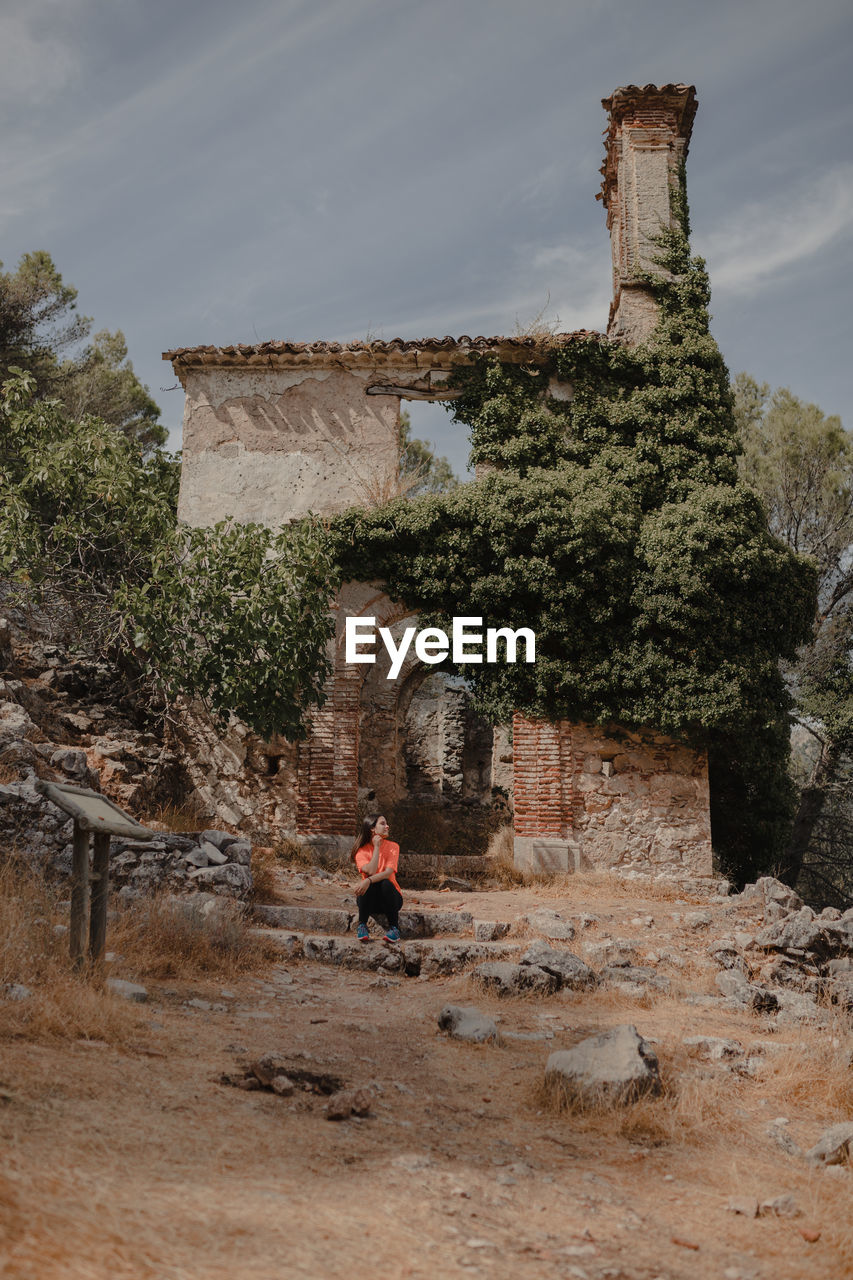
[100, 892]
[94, 812]
[79, 893]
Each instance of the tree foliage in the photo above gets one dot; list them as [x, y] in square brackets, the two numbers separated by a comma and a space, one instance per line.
[617, 527]
[42, 332]
[236, 615]
[81, 510]
[801, 462]
[421, 469]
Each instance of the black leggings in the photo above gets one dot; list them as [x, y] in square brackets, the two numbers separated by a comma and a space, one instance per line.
[380, 899]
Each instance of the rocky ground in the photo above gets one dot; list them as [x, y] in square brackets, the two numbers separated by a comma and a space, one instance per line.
[596, 1078]
[321, 1116]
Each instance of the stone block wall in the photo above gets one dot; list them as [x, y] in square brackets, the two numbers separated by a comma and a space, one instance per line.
[606, 798]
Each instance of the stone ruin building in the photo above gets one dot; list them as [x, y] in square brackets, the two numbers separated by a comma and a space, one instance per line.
[275, 429]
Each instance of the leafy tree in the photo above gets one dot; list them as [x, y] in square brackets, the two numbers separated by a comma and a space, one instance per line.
[421, 470]
[42, 333]
[38, 318]
[80, 510]
[100, 381]
[237, 616]
[616, 526]
[801, 462]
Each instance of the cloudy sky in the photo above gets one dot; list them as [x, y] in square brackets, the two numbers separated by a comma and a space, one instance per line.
[204, 171]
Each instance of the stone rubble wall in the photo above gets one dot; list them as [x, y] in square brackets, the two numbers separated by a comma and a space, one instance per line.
[60, 721]
[609, 798]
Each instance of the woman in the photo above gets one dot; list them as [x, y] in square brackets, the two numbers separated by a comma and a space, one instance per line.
[376, 857]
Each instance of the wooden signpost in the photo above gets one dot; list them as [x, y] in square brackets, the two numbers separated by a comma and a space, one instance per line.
[93, 814]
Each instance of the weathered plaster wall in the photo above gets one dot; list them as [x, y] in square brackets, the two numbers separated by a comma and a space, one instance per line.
[269, 445]
[587, 796]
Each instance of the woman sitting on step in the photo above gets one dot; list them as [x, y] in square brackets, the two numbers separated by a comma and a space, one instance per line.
[377, 857]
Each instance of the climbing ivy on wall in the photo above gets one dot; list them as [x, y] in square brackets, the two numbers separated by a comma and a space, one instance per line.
[615, 526]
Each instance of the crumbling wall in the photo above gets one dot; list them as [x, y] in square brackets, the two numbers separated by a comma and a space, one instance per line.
[607, 797]
[271, 444]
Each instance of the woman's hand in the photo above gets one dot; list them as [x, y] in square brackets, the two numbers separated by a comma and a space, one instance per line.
[362, 888]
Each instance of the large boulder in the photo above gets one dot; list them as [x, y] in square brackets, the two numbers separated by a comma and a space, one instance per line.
[767, 889]
[616, 1066]
[633, 979]
[739, 991]
[15, 724]
[231, 879]
[837, 935]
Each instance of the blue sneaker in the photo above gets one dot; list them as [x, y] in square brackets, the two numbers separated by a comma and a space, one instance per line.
[363, 933]
[392, 935]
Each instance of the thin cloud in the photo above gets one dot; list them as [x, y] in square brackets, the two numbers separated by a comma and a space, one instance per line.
[33, 69]
[766, 238]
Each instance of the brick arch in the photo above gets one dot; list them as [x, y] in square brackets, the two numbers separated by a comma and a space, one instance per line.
[327, 770]
[383, 707]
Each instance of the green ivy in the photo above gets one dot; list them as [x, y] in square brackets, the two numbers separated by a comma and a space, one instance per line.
[615, 525]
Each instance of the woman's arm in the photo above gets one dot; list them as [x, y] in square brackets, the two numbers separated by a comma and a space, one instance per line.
[375, 878]
[373, 865]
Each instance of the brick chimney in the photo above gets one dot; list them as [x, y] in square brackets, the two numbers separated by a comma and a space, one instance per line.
[648, 134]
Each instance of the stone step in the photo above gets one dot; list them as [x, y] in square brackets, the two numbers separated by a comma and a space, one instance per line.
[413, 924]
[425, 958]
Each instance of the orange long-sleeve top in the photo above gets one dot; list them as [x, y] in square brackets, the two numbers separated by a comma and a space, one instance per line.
[389, 860]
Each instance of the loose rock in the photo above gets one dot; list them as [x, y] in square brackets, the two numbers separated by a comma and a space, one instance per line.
[490, 930]
[468, 1023]
[784, 1206]
[507, 979]
[15, 991]
[568, 968]
[550, 924]
[127, 990]
[714, 1048]
[834, 1145]
[747, 1206]
[617, 1066]
[349, 1102]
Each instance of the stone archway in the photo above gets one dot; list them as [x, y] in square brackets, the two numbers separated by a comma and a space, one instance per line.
[420, 740]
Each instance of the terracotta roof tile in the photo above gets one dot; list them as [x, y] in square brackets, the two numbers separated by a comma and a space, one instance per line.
[260, 352]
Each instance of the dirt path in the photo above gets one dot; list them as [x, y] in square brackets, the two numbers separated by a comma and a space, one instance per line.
[136, 1161]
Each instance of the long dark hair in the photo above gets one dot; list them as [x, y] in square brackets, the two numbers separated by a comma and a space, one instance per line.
[366, 835]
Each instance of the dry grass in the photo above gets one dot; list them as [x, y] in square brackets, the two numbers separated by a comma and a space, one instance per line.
[540, 327]
[156, 938]
[293, 853]
[265, 860]
[165, 937]
[186, 818]
[501, 852]
[8, 773]
[816, 1073]
[689, 1111]
[62, 1003]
